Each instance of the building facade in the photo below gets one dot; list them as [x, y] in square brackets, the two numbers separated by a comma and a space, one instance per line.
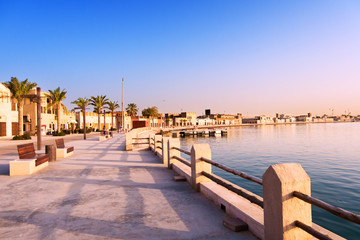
[8, 113]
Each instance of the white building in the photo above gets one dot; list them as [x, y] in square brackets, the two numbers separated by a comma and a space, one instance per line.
[8, 113]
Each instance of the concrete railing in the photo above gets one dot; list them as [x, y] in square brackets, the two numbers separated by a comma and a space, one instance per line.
[283, 213]
[133, 135]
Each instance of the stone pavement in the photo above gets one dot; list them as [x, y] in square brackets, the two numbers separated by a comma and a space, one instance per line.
[103, 192]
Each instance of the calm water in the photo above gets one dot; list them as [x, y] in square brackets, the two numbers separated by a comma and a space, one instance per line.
[329, 153]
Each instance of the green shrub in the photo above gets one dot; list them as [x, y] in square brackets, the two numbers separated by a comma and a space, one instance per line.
[17, 137]
[59, 133]
[26, 136]
[23, 137]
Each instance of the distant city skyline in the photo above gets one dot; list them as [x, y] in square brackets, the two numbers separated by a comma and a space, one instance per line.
[229, 56]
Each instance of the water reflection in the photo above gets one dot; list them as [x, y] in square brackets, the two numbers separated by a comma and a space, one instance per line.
[328, 152]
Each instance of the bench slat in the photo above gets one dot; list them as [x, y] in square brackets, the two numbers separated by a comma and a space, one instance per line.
[27, 151]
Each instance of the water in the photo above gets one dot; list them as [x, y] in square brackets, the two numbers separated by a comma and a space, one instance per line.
[329, 153]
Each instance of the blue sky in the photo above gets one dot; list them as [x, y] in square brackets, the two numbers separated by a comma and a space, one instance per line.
[252, 57]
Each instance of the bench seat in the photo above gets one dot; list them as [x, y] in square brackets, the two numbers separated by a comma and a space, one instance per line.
[28, 162]
[61, 150]
[63, 153]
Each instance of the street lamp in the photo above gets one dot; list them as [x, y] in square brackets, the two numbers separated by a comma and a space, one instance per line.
[122, 105]
[36, 98]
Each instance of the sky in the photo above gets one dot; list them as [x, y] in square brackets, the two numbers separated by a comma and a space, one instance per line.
[249, 57]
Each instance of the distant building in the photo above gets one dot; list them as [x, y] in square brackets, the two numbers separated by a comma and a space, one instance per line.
[180, 119]
[259, 120]
[303, 118]
[207, 112]
[284, 118]
[8, 113]
[226, 119]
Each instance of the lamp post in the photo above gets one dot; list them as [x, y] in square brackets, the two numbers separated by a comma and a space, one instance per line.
[38, 101]
[122, 106]
[36, 98]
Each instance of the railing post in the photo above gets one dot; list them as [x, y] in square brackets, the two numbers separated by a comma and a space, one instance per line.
[165, 151]
[173, 142]
[156, 139]
[197, 166]
[128, 141]
[281, 208]
[152, 144]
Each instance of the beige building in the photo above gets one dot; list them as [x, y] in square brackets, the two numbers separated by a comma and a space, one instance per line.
[48, 116]
[8, 113]
[92, 120]
[128, 122]
[180, 119]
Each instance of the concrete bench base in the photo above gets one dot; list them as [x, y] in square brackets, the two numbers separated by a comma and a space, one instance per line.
[23, 167]
[62, 153]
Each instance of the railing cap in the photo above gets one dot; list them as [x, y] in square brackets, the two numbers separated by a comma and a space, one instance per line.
[286, 172]
[202, 148]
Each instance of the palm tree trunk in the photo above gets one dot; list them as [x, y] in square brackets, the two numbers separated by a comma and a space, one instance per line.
[104, 119]
[112, 119]
[84, 120]
[20, 118]
[58, 118]
[99, 127]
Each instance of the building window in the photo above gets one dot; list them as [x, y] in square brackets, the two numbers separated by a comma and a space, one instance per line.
[13, 106]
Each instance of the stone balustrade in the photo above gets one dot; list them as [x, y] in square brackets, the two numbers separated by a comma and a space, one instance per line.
[279, 215]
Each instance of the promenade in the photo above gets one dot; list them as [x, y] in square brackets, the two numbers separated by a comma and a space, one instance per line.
[104, 192]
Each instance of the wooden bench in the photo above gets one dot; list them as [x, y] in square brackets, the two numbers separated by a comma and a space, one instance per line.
[28, 162]
[61, 150]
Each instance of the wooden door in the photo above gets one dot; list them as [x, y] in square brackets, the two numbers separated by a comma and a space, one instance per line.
[15, 128]
[2, 129]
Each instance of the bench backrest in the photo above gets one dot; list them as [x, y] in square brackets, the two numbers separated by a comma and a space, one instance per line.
[60, 143]
[26, 151]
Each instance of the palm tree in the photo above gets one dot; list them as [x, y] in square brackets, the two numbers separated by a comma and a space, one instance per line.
[99, 102]
[56, 97]
[82, 103]
[132, 109]
[112, 106]
[18, 90]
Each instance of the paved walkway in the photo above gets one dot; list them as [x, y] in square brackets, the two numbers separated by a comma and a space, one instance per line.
[103, 192]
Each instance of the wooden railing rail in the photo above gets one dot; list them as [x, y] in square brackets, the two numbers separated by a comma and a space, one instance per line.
[232, 187]
[233, 171]
[183, 160]
[159, 141]
[181, 150]
[312, 231]
[352, 217]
